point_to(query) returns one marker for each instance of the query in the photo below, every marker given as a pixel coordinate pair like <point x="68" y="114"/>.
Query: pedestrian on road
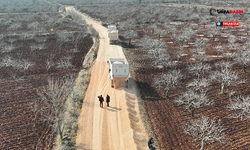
<point x="107" y="100"/>
<point x="150" y="143"/>
<point x="101" y="100"/>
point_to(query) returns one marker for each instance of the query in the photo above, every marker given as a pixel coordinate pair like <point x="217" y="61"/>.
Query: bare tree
<point x="25" y="65"/>
<point x="213" y="31"/>
<point x="160" y="32"/>
<point x="198" y="85"/>
<point x="178" y="53"/>
<point x="49" y="64"/>
<point x="193" y="100"/>
<point x="200" y="43"/>
<point x="15" y="26"/>
<point x="225" y="76"/>
<point x="240" y="106"/>
<point x="243" y="58"/>
<point x="52" y="100"/>
<point x="170" y="29"/>
<point x="152" y="27"/>
<point x="168" y="81"/>
<point x="63" y="38"/>
<point x="203" y="129"/>
<point x="76" y="40"/>
<point x="218" y="48"/>
<point x="199" y="69"/>
<point x="130" y="35"/>
<point x="203" y="19"/>
<point x="186" y="35"/>
<point x="198" y="54"/>
<point x="156" y="50"/>
<point x="65" y="64"/>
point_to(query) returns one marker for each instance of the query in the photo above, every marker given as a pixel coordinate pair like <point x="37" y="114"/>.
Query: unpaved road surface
<point x="119" y="126"/>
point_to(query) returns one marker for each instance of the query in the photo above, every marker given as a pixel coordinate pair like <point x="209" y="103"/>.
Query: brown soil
<point x="19" y="130"/>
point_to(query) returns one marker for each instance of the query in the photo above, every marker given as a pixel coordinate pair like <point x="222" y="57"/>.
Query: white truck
<point x="118" y="72"/>
<point x="112" y="34"/>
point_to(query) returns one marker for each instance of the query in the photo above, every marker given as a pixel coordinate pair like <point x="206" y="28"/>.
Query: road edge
<point x="75" y="100"/>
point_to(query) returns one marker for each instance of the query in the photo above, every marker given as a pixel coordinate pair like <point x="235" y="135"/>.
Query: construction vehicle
<point x="118" y="72"/>
<point x="113" y="34"/>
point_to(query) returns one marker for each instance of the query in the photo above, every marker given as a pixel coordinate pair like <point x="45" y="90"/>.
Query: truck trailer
<point x="118" y="72"/>
<point x="113" y="34"/>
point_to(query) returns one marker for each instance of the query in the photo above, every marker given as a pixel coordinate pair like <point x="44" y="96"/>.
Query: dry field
<point x="35" y="47"/>
<point x="167" y="119"/>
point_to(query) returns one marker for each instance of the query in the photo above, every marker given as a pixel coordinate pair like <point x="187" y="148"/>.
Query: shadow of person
<point x="115" y="108"/>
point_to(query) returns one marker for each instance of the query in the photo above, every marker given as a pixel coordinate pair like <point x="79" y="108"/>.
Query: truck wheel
<point x="126" y="83"/>
<point x="111" y="83"/>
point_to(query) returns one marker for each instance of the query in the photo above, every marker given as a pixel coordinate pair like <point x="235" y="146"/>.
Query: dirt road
<point x="117" y="127"/>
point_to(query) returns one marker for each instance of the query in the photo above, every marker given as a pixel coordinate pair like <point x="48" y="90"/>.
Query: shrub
<point x="68" y="16"/>
<point x="195" y="8"/>
<point x="2" y="20"/>
<point x="9" y="22"/>
<point x="57" y="23"/>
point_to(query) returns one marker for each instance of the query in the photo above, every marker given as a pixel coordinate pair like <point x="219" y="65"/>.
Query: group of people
<point x="102" y="100"/>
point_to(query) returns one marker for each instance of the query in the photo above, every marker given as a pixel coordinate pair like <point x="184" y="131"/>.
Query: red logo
<point x="236" y="11"/>
<point x="230" y="23"/>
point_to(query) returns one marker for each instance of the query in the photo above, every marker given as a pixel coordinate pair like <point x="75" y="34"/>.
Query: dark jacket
<point x="150" y="142"/>
<point x="100" y="99"/>
<point x="107" y="98"/>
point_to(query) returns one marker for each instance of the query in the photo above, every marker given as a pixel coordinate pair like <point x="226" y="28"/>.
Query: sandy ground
<point x="119" y="126"/>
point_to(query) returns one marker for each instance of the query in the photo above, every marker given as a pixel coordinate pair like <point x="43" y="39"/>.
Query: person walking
<point x="101" y="100"/>
<point x="107" y="100"/>
<point x="150" y="143"/>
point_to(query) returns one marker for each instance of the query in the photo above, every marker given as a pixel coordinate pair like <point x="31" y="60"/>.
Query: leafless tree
<point x="199" y="54"/>
<point x="203" y="19"/>
<point x="170" y="29"/>
<point x="200" y="43"/>
<point x="186" y="35"/>
<point x="199" y="69"/>
<point x="178" y="53"/>
<point x="203" y="129"/>
<point x="156" y="50"/>
<point x="193" y="100"/>
<point x="8" y="61"/>
<point x="213" y="31"/>
<point x="168" y="81"/>
<point x="243" y="58"/>
<point x="160" y="32"/>
<point x="65" y="64"/>
<point x="15" y="26"/>
<point x="77" y="39"/>
<point x="7" y="49"/>
<point x="218" y="48"/>
<point x="33" y="26"/>
<point x="198" y="85"/>
<point x="25" y="65"/>
<point x="240" y="105"/>
<point x="152" y="27"/>
<point x="130" y="35"/>
<point x="49" y="64"/>
<point x="25" y="36"/>
<point x="63" y="37"/>
<point x="224" y="75"/>
<point x="52" y="100"/>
